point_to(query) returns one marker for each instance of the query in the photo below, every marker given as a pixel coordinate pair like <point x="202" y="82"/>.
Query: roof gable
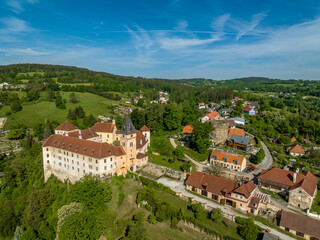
<point x="66" y="126"/>
<point x="103" y="127"/>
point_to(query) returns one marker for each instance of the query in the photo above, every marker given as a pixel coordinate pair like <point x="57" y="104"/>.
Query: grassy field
<point x="37" y="113"/>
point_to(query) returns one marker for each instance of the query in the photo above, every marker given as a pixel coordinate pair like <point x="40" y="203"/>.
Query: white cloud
<point x="178" y="43"/>
<point x="22" y="52"/>
<point x="247" y="28"/>
<point x="14" y="25"/>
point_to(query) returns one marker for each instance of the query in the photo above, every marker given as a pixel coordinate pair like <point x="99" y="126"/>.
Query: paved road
<point x="200" y="166"/>
<point x="267" y="161"/>
<point x="179" y="187"/>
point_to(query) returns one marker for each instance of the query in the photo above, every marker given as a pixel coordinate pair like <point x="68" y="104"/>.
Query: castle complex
<point x="71" y="153"/>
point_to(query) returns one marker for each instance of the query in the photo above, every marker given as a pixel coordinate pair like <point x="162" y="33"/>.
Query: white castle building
<point x="71" y="153"/>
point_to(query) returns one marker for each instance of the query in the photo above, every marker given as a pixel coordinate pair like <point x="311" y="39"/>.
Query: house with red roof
<point x="229" y="161"/>
<point x="225" y="191"/>
<point x="236" y="131"/>
<point x="299" y="188"/>
<point x="296" y="150"/>
<point x="188" y="129"/>
<point x="210" y="116"/>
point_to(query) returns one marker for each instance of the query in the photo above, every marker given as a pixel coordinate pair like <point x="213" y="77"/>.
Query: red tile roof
<point x="217" y="185"/>
<point x="141" y="155"/>
<point x="140" y="140"/>
<point x="284" y="178"/>
<point x="232" y="123"/>
<point x="300" y="223"/>
<point x="188" y="129"/>
<point x="66" y="126"/>
<point x="296" y="148"/>
<point x="145" y="129"/>
<point x="236" y="131"/>
<point x="246" y="109"/>
<point x="245" y="189"/>
<point x="230" y="157"/>
<point x="212" y="115"/>
<point x="85" y="134"/>
<point x="103" y="127"/>
<point x="82" y="146"/>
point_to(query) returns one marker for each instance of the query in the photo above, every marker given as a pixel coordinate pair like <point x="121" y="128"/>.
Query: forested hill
<point x="66" y="78"/>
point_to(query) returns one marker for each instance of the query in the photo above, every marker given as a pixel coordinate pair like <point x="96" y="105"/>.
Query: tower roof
<point x="127" y="127"/>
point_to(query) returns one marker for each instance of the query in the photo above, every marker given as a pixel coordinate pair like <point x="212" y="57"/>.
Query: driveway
<point x="178" y="186"/>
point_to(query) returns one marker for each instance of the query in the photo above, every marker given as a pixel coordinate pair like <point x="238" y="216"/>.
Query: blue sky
<point x="166" y="38"/>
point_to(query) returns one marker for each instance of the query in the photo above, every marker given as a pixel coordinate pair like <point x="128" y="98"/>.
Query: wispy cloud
<point x="14" y="25"/>
<point x="22" y="52"/>
<point x="248" y="28"/>
<point x="17" y="6"/>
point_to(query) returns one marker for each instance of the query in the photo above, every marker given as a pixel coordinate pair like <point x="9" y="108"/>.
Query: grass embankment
<point x="160" y="230"/>
<point x="225" y="228"/>
<point x="316" y="203"/>
<point x="32" y="114"/>
<point x="197" y="156"/>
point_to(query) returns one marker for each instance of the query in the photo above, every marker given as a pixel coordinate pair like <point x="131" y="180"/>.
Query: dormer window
<point x="235" y="161"/>
<point x="225" y="159"/>
<point x="215" y="157"/>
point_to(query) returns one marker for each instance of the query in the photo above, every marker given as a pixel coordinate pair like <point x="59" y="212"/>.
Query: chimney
<point x="67" y="133"/>
<point x="80" y="136"/>
<point x="114" y="121"/>
<point x="295" y="175"/>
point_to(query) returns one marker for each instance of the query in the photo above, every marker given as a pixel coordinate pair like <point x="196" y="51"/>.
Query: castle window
<point x="131" y="144"/>
<point x="123" y="144"/>
<point x="105" y="168"/>
<point x="60" y="164"/>
<point x="78" y="170"/>
<point x="96" y="169"/>
<point x="47" y="161"/>
<point x="108" y="135"/>
<point x="84" y="171"/>
<point x="105" y="160"/>
<point x="72" y="161"/>
<point x="47" y="149"/>
<point x="47" y="155"/>
<point x="77" y="156"/>
<point x="96" y="161"/>
<point x="111" y="159"/>
<point x="111" y="166"/>
<point x="72" y="155"/>
<point x="59" y="158"/>
<point x="84" y="165"/>
<point x="72" y="168"/>
<point x="59" y="151"/>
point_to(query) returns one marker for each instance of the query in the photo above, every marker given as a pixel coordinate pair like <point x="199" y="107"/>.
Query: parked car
<point x="253" y="167"/>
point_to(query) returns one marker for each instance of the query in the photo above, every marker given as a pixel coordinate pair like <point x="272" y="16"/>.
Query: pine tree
<point x="80" y="112"/>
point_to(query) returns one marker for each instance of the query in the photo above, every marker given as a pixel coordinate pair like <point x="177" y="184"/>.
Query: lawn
<point x="162" y="160"/>
<point x="37" y="113"/>
<point x="197" y="156"/>
<point x="161" y="145"/>
<point x="316" y="203"/>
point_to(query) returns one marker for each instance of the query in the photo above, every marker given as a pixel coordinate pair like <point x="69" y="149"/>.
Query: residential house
<point x="71" y="153"/>
<point x="250" y="111"/>
<point x="299" y="188"/>
<point x="270" y="236"/>
<point x="235" y="100"/>
<point x="236" y="131"/>
<point x="238" y="121"/>
<point x="210" y="116"/>
<point x="229" y="161"/>
<point x="239" y="142"/>
<point x="201" y="105"/>
<point x="253" y="104"/>
<point x="296" y="150"/>
<point x="222" y="190"/>
<point x="213" y="105"/>
<point x="3" y="121"/>
<point x="300" y="225"/>
<point x="226" y="111"/>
